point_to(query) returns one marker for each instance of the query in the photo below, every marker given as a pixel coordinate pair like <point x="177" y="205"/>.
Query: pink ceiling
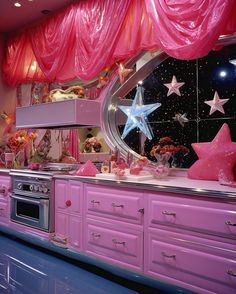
<point x="13" y="18"/>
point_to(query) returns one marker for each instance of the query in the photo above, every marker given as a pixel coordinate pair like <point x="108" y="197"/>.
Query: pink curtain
<point x="189" y="29"/>
<point x="89" y="35"/>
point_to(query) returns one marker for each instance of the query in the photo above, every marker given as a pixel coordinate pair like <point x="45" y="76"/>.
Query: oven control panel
<point x="32" y="186"/>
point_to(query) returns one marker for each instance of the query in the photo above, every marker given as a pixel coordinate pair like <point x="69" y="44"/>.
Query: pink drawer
<point x="117" y="204"/>
<point x="214" y="217"/>
<point x="189" y="264"/>
<point x="120" y="246"/>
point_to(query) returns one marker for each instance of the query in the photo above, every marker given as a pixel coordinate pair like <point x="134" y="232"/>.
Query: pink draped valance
<point x="89" y="35"/>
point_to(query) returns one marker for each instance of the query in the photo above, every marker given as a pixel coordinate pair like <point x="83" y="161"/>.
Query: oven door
<point x="29" y="211"/>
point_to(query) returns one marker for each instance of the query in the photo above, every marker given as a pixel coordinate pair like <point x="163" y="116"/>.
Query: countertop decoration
<point x="169" y="152"/>
<point x="87" y="169"/>
<point x="217" y="159"/>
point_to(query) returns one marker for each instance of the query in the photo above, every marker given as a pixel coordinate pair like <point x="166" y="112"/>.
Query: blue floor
<point x="26" y="270"/>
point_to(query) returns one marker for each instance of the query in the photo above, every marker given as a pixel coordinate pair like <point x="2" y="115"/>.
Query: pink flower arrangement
<point x="167" y="146"/>
<point x="92" y="144"/>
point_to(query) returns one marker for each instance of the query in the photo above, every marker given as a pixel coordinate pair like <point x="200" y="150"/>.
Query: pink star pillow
<point x="215" y="158"/>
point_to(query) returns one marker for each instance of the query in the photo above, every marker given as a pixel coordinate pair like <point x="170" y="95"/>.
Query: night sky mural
<point x="186" y="118"/>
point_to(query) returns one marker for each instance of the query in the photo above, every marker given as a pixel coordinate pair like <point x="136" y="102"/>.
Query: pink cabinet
<point x="117" y="204"/>
<point x="68" y="217"/>
<point x="206" y="215"/>
<point x="114" y="225"/>
<point x="191" y="242"/>
<point x="5" y="183"/>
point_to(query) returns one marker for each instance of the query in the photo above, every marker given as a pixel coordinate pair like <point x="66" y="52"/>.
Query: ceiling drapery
<point x="80" y="41"/>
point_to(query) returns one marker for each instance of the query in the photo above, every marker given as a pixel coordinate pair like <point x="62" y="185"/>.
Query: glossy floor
<point x="26" y="270"/>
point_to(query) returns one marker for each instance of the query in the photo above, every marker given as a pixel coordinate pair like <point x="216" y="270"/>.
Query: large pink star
<point x="174" y="86"/>
<point x="216" y="103"/>
<point x="215" y="158"/>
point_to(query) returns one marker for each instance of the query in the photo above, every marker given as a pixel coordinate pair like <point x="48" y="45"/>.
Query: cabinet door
<point x="75" y="197"/>
<point x="4" y="187"/>
<point x="61" y="225"/>
<point x="61" y="194"/>
<point x="75" y="231"/>
<point x="192" y="260"/>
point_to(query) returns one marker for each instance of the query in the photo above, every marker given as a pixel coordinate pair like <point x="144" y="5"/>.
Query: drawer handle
<point x="229" y="223"/>
<point x="118" y="242"/>
<point x="168" y="213"/>
<point x="231" y="273"/>
<point x="96" y="235"/>
<point x="168" y="255"/>
<point x="95" y="202"/>
<point x="117" y="205"/>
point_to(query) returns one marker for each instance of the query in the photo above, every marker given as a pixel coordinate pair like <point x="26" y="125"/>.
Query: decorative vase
<point x="162" y="167"/>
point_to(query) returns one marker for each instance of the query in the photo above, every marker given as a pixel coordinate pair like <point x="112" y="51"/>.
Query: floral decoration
<point x="20" y="139"/>
<point x="166" y="145"/>
<point x="92" y="145"/>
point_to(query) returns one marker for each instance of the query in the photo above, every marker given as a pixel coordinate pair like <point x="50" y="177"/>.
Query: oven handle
<point x="25" y="199"/>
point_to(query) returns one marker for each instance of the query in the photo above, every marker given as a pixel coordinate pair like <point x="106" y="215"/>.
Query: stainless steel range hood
<point x="61" y="114"/>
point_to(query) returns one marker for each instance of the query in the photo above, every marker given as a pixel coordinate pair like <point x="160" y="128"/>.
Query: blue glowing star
<point x="137" y="115"/>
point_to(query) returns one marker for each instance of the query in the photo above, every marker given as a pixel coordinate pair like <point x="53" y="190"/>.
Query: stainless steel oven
<point x="32" y="200"/>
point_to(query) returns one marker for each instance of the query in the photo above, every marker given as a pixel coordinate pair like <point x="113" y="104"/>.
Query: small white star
<point x="181" y="118"/>
<point x="174" y="86"/>
<point x="216" y="103"/>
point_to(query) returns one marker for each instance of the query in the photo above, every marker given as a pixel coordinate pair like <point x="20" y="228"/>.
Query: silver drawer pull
<point x="118" y="242"/>
<point x="231" y="273"/>
<point x="229" y="223"/>
<point x="168" y="213"/>
<point x="168" y="255"/>
<point x="96" y="235"/>
<point x="117" y="205"/>
<point x="95" y="202"/>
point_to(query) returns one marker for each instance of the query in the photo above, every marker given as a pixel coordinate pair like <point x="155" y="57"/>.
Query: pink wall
<point x="7" y="94"/>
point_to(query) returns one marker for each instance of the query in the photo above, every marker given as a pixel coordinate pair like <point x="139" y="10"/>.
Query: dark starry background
<point x="202" y="78"/>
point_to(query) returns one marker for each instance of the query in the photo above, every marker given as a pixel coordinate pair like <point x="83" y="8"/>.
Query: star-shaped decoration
<point x="233" y="61"/>
<point x="216" y="158"/>
<point x="123" y="72"/>
<point x="216" y="103"/>
<point x="137" y="115"/>
<point x="174" y="86"/>
<point x="181" y="118"/>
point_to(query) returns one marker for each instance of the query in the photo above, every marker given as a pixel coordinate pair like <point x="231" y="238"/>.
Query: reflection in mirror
<point x="187" y="91"/>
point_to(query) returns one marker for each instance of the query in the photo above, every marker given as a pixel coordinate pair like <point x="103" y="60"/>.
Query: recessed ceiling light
<point x="17" y="4"/>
